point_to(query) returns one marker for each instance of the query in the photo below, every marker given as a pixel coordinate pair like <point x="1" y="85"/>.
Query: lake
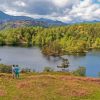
<point x="33" y="59"/>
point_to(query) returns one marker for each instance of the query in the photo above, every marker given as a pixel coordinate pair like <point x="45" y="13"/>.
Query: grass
<point x="49" y="86"/>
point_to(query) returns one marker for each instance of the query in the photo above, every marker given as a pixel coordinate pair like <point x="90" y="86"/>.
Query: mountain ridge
<point x="9" y="21"/>
<point x="5" y="18"/>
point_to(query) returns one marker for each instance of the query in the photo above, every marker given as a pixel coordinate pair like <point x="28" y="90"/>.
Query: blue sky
<point x="96" y="1"/>
<point x="63" y="10"/>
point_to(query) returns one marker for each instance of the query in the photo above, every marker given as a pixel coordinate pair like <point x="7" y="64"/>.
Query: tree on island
<point x="64" y="65"/>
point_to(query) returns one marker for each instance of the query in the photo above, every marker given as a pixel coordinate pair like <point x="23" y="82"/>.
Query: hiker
<point x="17" y="71"/>
<point x="13" y="71"/>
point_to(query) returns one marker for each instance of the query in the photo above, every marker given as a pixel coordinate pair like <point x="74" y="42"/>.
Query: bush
<point x="81" y="71"/>
<point x="48" y="69"/>
<point x="5" y="69"/>
<point x="26" y="70"/>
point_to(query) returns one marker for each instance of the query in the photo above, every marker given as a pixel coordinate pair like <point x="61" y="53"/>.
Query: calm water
<point x="33" y="58"/>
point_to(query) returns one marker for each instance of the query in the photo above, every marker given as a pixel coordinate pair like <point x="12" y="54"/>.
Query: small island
<point x="64" y="64"/>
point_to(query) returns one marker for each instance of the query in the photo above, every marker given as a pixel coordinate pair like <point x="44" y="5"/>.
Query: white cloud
<point x="86" y="10"/>
<point x="20" y="3"/>
<point x="14" y="13"/>
<point x="62" y="3"/>
<point x="63" y="10"/>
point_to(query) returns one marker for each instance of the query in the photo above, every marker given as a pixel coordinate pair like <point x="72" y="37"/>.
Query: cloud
<point x="65" y="3"/>
<point x="63" y="10"/>
<point x="86" y="11"/>
<point x="20" y="3"/>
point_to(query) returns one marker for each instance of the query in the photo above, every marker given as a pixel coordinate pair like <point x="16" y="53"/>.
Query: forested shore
<point x="56" y="40"/>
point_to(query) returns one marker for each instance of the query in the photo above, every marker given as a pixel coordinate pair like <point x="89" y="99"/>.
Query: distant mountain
<point x="17" y="21"/>
<point x="6" y="17"/>
<point x="51" y="22"/>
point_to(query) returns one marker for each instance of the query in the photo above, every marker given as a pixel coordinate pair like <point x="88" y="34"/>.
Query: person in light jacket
<point x="13" y="71"/>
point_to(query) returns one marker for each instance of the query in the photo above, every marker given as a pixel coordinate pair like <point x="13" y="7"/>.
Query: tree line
<point x="56" y="40"/>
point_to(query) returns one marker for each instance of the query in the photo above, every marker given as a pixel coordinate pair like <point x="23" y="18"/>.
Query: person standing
<point x="17" y="71"/>
<point x="13" y="71"/>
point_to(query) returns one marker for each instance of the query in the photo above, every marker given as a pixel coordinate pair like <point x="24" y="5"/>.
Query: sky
<point x="62" y="10"/>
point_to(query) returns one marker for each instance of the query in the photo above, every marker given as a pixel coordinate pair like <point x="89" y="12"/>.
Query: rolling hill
<point x="8" y="21"/>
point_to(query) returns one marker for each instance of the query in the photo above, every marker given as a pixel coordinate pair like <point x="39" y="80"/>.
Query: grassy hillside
<point x="49" y="86"/>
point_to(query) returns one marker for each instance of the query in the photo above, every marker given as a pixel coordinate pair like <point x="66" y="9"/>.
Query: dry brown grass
<point x="2" y="93"/>
<point x="48" y="87"/>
